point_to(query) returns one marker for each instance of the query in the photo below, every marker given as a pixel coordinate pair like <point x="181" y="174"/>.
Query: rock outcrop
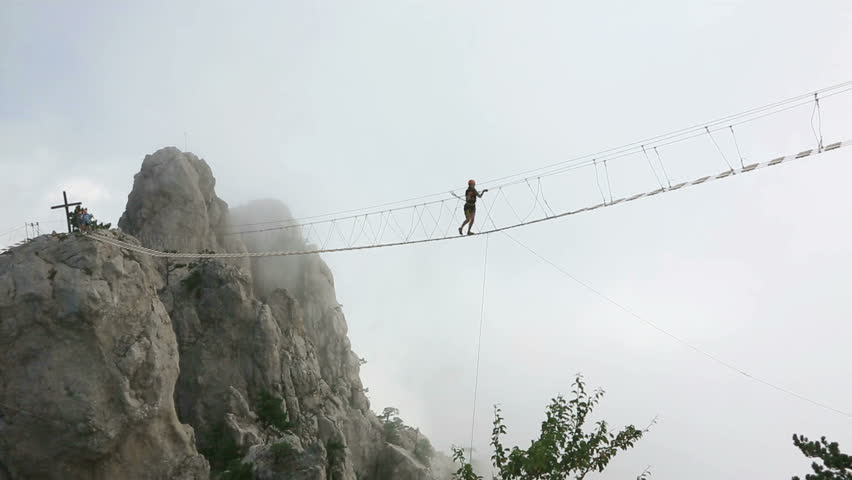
<point x="173" y="205"/>
<point x="397" y="462"/>
<point x="120" y="365"/>
<point x="88" y="365"/>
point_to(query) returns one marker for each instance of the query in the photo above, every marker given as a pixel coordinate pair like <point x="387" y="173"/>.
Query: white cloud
<point x="86" y="189"/>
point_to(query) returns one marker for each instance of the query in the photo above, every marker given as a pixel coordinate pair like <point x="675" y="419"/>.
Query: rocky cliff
<point x="114" y="364"/>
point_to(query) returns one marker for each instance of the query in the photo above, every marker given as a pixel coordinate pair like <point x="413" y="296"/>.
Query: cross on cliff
<point x="66" y="205"/>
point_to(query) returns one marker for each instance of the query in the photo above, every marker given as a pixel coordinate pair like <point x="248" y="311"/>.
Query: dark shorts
<point x="469" y="209"/>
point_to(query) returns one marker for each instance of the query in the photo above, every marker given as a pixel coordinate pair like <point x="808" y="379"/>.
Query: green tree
<point x="220" y="448"/>
<point x="393" y="425"/>
<point x="563" y="450"/>
<point x="74" y="219"/>
<point x="465" y="471"/>
<point x="282" y="452"/>
<point x="271" y="413"/>
<point x="400" y="434"/>
<point x="387" y="413"/>
<point x="835" y="465"/>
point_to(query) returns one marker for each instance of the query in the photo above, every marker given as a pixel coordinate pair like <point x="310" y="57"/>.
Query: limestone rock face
<point x="397" y="462"/>
<point x="272" y="328"/>
<point x="173" y="205"/>
<point x="120" y="365"/>
<point x="88" y="364"/>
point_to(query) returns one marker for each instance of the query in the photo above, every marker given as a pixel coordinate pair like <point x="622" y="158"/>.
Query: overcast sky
<point x="329" y="105"/>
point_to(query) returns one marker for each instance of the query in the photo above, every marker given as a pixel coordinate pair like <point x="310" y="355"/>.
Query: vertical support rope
<point x="489" y="209"/>
<point x="371" y="235"/>
<point x="499" y="192"/>
<point x="450" y="221"/>
<point x="546" y="203"/>
<point x="598" y="180"/>
<point x="342" y="235"/>
<point x="737" y="144"/>
<point x="479" y="347"/>
<point x="719" y="149"/>
<point x="663" y="167"/>
<point x="399" y="228"/>
<point x="420" y="220"/>
<point x="331" y="230"/>
<point x="608" y="184"/>
<point x="817" y="112"/>
<point x="379" y="228"/>
<point x="652" y="166"/>
<point x="819" y="118"/>
<point x="352" y="233"/>
<point x="413" y="226"/>
<point x="438" y="220"/>
<point x="535" y="200"/>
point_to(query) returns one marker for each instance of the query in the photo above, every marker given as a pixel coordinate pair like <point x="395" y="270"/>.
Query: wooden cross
<point x="66" y="205"/>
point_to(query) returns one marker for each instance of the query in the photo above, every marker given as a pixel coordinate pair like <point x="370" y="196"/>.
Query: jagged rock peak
<point x="173" y="204"/>
<point x="114" y="364"/>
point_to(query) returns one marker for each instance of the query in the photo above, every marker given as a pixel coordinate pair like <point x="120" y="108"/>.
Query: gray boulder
<point x="114" y="364"/>
<point x="88" y="364"/>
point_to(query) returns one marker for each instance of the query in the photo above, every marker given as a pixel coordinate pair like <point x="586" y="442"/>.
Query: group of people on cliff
<point x="83" y="221"/>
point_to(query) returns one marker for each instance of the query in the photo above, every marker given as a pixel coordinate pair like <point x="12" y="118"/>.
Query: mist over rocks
<point x="164" y="368"/>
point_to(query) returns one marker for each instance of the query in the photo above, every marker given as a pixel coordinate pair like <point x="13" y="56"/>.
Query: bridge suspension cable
<point x="404" y="236"/>
<point x="621" y="151"/>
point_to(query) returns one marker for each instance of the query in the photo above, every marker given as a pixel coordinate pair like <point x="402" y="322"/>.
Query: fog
<point x="274" y="272"/>
<point x="328" y="106"/>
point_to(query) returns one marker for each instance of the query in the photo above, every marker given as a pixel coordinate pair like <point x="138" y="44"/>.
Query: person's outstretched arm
<point x="480" y="194"/>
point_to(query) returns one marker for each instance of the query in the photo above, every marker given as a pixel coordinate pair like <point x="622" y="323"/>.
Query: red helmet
<point x="471" y="182"/>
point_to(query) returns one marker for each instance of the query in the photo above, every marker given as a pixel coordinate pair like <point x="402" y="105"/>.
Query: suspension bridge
<point x="521" y="200"/>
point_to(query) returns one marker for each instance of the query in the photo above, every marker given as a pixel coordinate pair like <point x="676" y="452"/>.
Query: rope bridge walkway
<point x="516" y="200"/>
<point x="373" y="234"/>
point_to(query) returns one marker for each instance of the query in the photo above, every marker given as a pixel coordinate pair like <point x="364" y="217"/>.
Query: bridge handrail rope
<point x="737" y="144"/>
<point x="692" y="132"/>
<point x="747" y="169"/>
<point x="556" y="168"/>
<point x="635" y="150"/>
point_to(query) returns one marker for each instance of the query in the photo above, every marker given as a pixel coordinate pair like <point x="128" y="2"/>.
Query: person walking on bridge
<point x="470" y="197"/>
